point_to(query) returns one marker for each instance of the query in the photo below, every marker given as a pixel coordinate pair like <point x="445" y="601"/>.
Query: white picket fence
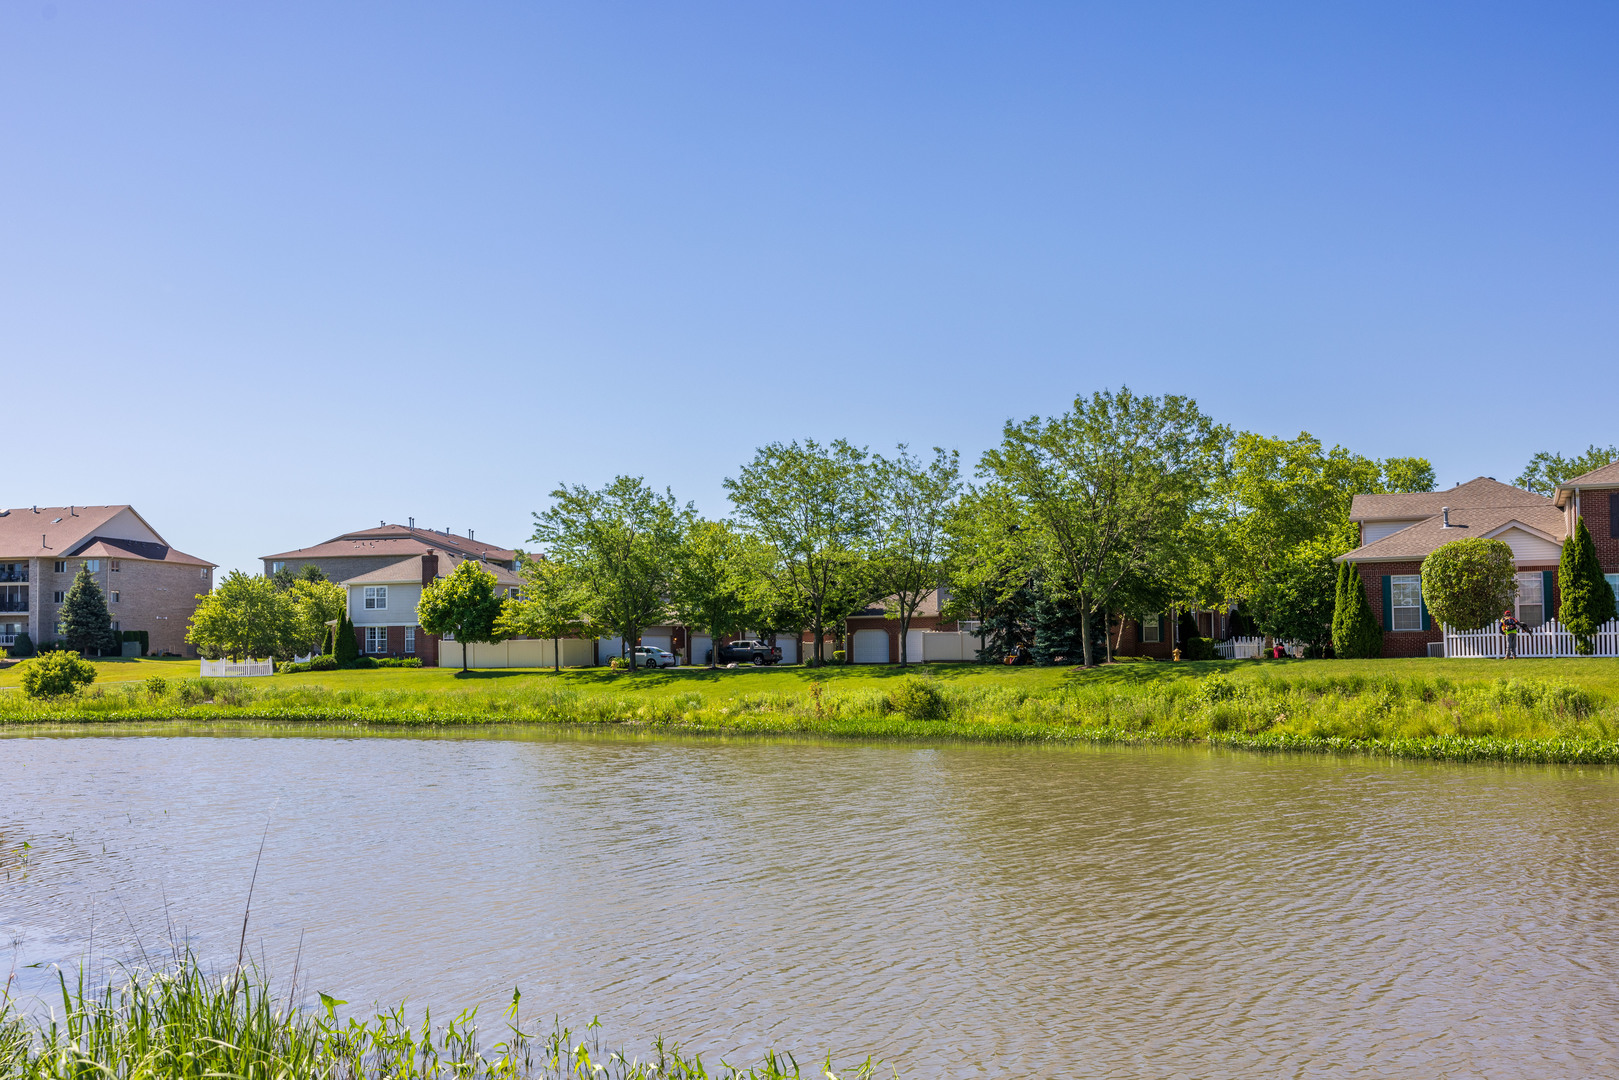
<point x="1249" y="648"/>
<point x="1548" y="639"/>
<point x="233" y="669"/>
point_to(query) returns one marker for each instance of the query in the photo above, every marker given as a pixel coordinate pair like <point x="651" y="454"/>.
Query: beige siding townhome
<point x="149" y="585"/>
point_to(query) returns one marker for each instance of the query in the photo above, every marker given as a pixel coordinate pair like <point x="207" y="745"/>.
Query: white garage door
<point x="789" y="650"/>
<point x="871" y="646"/>
<point x="700" y="644"/>
<point x="656" y="641"/>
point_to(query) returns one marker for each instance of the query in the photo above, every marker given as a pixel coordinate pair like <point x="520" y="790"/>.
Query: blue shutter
<point x="1388" y="604"/>
<point x="1547" y="578"/>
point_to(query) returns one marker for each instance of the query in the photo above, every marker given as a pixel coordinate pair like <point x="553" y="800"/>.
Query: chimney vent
<point x="412" y="522"/>
<point x="469" y="534"/>
<point x="1447" y="516"/>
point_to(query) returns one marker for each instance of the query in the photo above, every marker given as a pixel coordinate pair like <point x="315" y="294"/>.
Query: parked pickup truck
<point x="743" y="652"/>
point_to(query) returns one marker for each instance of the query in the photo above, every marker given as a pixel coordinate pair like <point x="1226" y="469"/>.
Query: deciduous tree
<point x="918" y="500"/>
<point x="708" y="586"/>
<point x="245" y="617"/>
<point x="1466" y="584"/>
<point x="550" y="605"/>
<point x="1546" y="470"/>
<point x="464" y="604"/>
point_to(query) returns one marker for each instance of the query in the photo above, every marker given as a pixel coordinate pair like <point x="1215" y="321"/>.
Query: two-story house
<point x="149" y="585"/>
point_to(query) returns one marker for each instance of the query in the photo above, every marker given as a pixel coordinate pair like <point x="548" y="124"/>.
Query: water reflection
<point x="971" y="910"/>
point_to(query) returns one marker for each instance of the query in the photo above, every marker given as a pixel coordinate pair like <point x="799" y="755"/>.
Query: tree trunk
<point x="1107" y="638"/>
<point x="556" y="654"/>
<point x="904" y="632"/>
<point x="1085" y="628"/>
<point x="463" y="656"/>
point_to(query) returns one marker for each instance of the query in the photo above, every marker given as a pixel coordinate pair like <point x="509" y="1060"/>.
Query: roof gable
<point x="52" y="531"/>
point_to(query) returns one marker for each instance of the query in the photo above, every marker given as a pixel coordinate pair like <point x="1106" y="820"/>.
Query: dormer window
<point x="376" y="597"/>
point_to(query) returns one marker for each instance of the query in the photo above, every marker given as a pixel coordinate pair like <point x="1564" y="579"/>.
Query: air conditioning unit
<point x="1436" y="649"/>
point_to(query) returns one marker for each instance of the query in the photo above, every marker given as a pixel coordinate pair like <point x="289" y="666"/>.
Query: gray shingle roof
<point x="1479" y="492"/>
<point x="1419" y="540"/>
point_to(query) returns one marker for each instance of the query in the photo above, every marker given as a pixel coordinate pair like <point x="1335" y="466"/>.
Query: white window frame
<point x="376" y="640"/>
<point x="112" y="566"/>
<point x="117" y="597"/>
<point x="410" y="641"/>
<point x="1152" y="631"/>
<point x="277" y="567"/>
<point x="1403" y="584"/>
<point x="376" y="598"/>
<point x="1529" y="580"/>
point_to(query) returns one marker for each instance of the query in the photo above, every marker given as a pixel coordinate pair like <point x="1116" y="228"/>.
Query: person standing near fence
<point x="1509" y="629"/>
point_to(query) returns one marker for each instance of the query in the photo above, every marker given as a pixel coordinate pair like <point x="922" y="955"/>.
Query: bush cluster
<point x="917" y="699"/>
<point x="56" y="674"/>
<point x="331" y="663"/>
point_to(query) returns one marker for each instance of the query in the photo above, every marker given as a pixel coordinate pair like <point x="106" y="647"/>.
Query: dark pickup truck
<point x="743" y="652"/>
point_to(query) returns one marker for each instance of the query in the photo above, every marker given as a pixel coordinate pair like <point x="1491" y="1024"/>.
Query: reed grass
<point x="185" y="1024"/>
<point x="1408" y="711"/>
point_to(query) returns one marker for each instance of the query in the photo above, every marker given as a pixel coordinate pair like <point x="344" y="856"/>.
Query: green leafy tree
<point x="1297" y="601"/>
<point x="1587" y="598"/>
<point x="708" y="584"/>
<point x="244" y="618"/>
<point x="56" y="674"/>
<point x="620" y="543"/>
<point x="1407" y="474"/>
<point x="550" y="606"/>
<point x="917" y="501"/>
<point x="816" y="507"/>
<point x="464" y="604"/>
<point x="1356" y="634"/>
<point x="1111" y="487"/>
<point x="317" y="605"/>
<point x="1466" y="584"/>
<point x="85" y="624"/>
<point x="1546" y="470"/>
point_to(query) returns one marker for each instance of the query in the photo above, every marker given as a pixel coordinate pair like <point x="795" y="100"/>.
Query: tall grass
<point x="1418" y="715"/>
<point x="184" y="1024"/>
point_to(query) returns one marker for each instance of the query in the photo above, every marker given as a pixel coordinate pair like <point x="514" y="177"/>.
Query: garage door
<point x="871" y="647"/>
<point x="656" y="641"/>
<point x="913" y="647"/>
<point x="700" y="644"/>
<point x="789" y="650"/>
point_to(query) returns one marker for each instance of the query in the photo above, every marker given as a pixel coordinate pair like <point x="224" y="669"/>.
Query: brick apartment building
<point x="149" y="585"/>
<point x="383" y="571"/>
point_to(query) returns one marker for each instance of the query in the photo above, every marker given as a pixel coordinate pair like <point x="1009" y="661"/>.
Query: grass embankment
<point x="185" y="1024"/>
<point x="1527" y="710"/>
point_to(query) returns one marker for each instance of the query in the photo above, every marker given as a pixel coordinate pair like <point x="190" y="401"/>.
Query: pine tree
<point x="346" y="649"/>
<point x="86" y="625"/>
<point x="1356" y="635"/>
<point x="1587" y="598"/>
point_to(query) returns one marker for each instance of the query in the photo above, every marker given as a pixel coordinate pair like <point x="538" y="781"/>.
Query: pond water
<point x="956" y="910"/>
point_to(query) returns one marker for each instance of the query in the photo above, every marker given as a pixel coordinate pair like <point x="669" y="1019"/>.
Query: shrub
<point x="617" y="663"/>
<point x="397" y="661"/>
<point x="1355" y="634"/>
<point x="56" y="675"/>
<point x="157" y="686"/>
<point x="917" y="699"/>
<point x="1198" y="648"/>
<point x="837" y="656"/>
<point x="1467" y="583"/>
<point x="1215" y="688"/>
<point x="345" y="648"/>
<point x="323" y="662"/>
<point x="192" y="693"/>
<point x="22" y="646"/>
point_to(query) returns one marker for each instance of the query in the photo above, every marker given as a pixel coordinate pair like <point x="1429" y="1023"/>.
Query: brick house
<point x="149" y="585"/>
<point x="1398" y="531"/>
<point x="383" y="571"/>
<point x="1595" y="497"/>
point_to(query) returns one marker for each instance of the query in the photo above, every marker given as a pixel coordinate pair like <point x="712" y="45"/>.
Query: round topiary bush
<point x="56" y="674"/>
<point x="917" y="699"/>
<point x="1466" y="584"/>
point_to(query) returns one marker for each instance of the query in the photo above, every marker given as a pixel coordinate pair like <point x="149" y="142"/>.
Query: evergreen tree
<point x="346" y="649"/>
<point x="1340" y="604"/>
<point x="86" y="625"/>
<point x="1356" y="635"/>
<point x="1587" y="598"/>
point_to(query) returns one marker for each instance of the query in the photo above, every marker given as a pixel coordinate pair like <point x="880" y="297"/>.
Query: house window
<point x="1151" y="631"/>
<point x="58" y="596"/>
<point x="277" y="567"/>
<point x="112" y="565"/>
<point x="93" y="565"/>
<point x="13" y="598"/>
<point x="376" y="639"/>
<point x="376" y="597"/>
<point x="60" y="566"/>
<point x="115" y="597"/>
<point x="205" y="573"/>
<point x="410" y="641"/>
<point x="1531" y="598"/>
<point x="1405" y="591"/>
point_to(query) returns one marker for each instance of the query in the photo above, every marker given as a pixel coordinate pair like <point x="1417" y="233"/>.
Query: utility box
<point x="132" y="648"/>
<point x="1436" y="650"/>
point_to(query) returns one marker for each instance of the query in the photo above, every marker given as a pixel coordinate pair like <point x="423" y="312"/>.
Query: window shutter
<point x="1160" y="629"/>
<point x="1613" y="514"/>
<point x="1547" y="579"/>
<point x="1388" y="604"/>
<point x="1427" y="623"/>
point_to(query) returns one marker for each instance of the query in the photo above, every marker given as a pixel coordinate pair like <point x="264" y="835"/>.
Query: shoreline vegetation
<point x="185" y="1022"/>
<point x="1521" y="711"/>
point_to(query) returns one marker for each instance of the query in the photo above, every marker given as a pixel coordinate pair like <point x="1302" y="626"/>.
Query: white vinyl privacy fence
<point x="1547" y="639"/>
<point x="945" y="646"/>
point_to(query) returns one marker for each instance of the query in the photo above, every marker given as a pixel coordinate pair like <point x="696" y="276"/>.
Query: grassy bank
<point x="185" y="1024"/>
<point x="1552" y="710"/>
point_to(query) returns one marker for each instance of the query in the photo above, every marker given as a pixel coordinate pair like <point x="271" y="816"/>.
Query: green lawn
<point x="118" y="671"/>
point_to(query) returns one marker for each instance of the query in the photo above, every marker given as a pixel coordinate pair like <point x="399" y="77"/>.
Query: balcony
<point x="13" y="598"/>
<point x="13" y="571"/>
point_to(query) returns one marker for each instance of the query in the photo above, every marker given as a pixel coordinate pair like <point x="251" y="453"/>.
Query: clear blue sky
<point x="275" y="271"/>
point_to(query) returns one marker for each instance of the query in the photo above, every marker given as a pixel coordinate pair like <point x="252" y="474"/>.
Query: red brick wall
<point x="1595" y="507"/>
<point x="1396" y="642"/>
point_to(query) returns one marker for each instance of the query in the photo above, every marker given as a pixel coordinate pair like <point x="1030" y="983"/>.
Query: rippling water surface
<point x="961" y="911"/>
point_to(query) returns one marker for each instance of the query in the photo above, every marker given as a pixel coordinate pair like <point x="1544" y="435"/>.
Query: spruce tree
<point x="1587" y="599"/>
<point x="86" y="625"/>
<point x="346" y="649"/>
<point x="1356" y="635"/>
